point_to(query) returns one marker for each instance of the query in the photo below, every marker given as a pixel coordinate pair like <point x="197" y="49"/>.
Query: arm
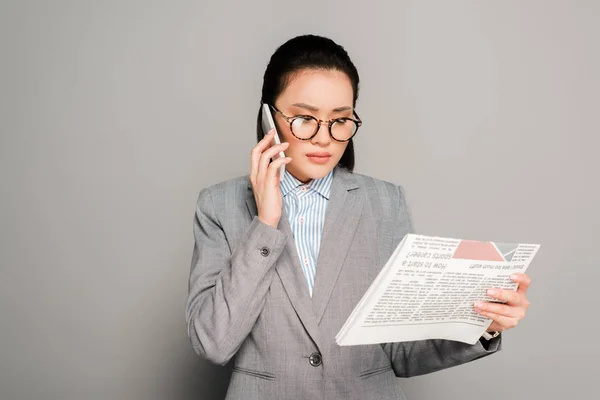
<point x="227" y="290"/>
<point x="426" y="356"/>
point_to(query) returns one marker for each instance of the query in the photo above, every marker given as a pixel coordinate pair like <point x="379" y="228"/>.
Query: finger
<point x="523" y="280"/>
<point x="510" y="296"/>
<point x="500" y="309"/>
<point x="503" y="321"/>
<point x="266" y="139"/>
<point x="274" y="168"/>
<point x="257" y="151"/>
<point x="265" y="158"/>
<point x="275" y="150"/>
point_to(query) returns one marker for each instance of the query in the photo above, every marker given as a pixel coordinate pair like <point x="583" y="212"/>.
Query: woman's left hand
<point x="506" y="316"/>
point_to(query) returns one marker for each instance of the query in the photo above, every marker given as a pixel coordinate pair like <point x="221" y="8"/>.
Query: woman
<point x="280" y="261"/>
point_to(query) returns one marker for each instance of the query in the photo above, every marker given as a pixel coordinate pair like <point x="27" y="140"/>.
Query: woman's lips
<point x="319" y="158"/>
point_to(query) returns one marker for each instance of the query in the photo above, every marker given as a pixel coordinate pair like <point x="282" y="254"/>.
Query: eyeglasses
<point x="305" y="127"/>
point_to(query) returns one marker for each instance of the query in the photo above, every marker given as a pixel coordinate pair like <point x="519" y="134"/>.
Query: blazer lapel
<point x="290" y="272"/>
<point x="341" y="221"/>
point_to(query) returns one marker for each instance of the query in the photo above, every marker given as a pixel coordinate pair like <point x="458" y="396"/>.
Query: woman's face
<point x="326" y="95"/>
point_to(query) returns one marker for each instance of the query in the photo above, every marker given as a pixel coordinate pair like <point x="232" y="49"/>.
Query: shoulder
<point x="388" y="202"/>
<point x="224" y="193"/>
<point x="379" y="187"/>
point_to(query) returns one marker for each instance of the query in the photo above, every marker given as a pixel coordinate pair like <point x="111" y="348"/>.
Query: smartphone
<point x="267" y="124"/>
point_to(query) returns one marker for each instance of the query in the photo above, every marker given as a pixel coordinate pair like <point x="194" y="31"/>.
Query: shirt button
<point x="315" y="359"/>
<point x="264" y="251"/>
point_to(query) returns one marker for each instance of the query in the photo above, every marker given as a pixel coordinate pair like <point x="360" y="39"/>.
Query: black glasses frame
<point x="329" y="124"/>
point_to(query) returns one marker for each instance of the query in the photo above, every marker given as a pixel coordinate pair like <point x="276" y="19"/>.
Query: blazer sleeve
<point x="227" y="289"/>
<point x="425" y="356"/>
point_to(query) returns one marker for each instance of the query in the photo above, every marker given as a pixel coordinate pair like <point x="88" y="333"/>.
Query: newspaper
<point x="428" y="287"/>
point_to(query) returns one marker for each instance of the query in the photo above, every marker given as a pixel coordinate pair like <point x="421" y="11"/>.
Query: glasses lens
<point x="343" y="129"/>
<point x="304" y="127"/>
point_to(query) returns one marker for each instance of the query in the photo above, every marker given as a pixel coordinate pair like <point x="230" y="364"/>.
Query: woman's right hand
<point x="264" y="177"/>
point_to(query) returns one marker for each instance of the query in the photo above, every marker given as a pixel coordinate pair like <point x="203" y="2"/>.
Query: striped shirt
<point x="305" y="205"/>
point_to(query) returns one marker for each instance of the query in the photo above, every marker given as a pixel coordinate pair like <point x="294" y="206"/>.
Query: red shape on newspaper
<point x="475" y="250"/>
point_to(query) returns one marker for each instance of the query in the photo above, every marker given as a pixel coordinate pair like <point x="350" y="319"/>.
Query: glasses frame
<point x="320" y="122"/>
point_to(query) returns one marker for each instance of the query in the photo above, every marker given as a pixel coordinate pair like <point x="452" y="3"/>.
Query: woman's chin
<point x="306" y="173"/>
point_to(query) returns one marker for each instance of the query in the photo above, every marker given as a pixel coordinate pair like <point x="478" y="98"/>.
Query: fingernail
<point x="513" y="277"/>
<point x="286" y="144"/>
<point x="492" y="292"/>
<point x="478" y="304"/>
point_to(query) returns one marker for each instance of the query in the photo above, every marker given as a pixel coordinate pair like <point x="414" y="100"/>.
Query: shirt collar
<point x="321" y="185"/>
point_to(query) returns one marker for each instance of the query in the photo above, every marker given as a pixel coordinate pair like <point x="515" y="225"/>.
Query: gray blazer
<point x="248" y="299"/>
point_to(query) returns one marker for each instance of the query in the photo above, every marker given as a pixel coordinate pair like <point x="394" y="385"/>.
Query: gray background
<point x="114" y="114"/>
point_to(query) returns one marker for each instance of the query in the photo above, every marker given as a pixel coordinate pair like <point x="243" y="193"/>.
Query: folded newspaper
<point x="428" y="287"/>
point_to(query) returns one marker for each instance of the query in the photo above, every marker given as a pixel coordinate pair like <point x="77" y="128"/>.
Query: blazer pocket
<point x="257" y="374"/>
<point x="373" y="372"/>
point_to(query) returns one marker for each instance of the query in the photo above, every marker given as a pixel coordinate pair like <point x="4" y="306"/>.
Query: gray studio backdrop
<point x="114" y="114"/>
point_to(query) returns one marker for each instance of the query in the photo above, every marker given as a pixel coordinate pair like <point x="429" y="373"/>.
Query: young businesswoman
<point x="280" y="261"/>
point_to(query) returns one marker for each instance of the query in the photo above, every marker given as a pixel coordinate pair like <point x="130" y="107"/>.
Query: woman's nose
<point x="322" y="135"/>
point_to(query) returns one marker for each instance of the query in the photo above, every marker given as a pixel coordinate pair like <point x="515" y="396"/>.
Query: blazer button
<point x="264" y="251"/>
<point x="315" y="359"/>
